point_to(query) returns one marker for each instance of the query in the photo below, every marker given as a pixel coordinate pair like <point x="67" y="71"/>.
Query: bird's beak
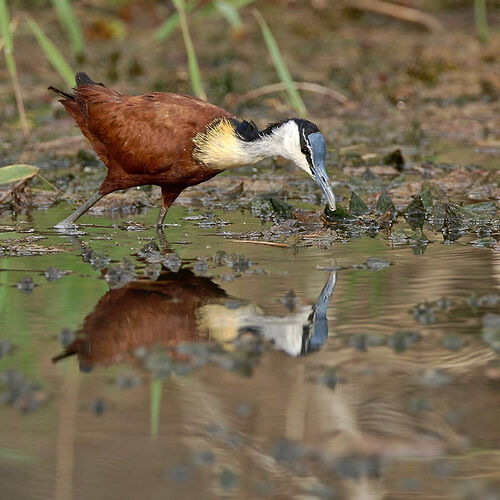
<point x="318" y="167"/>
<point x="321" y="178"/>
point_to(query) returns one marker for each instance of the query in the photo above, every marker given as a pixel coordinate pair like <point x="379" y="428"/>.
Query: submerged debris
<point x="151" y="254"/>
<point x="52" y="273"/>
<point x="361" y="341"/>
<point x="373" y="264"/>
<point x="329" y="378"/>
<point x="26" y="285"/>
<point x="152" y="271"/>
<point x="402" y="340"/>
<point x="95" y="259"/>
<point x="424" y="313"/>
<point x="356" y="466"/>
<point x="24" y="395"/>
<point x="118" y="276"/>
<point x="6" y="348"/>
<point x="201" y="265"/>
<point x="491" y="331"/>
<point x="127" y="381"/>
<point x="98" y="406"/>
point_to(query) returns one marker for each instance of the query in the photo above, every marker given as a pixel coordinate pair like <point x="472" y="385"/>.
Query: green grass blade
<point x="156" y="388"/>
<point x="165" y="30"/>
<point x="15" y="173"/>
<point x="481" y="18"/>
<point x="172" y="23"/>
<point x="194" y="69"/>
<point x="8" y="50"/>
<point x="53" y="54"/>
<point x="230" y="13"/>
<point x="70" y="23"/>
<point x="11" y="455"/>
<point x="4" y="28"/>
<point x="283" y="73"/>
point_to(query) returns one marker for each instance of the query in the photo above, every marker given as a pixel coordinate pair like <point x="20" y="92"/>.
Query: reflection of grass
<point x="156" y="388"/>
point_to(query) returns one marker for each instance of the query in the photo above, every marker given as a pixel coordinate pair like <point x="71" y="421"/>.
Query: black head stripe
<point x="245" y="130"/>
<point x="305" y="147"/>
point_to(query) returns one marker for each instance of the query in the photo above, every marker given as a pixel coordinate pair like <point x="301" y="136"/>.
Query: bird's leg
<point x="161" y="217"/>
<point x="70" y="220"/>
<point x="167" y="197"/>
<point x="164" y="246"/>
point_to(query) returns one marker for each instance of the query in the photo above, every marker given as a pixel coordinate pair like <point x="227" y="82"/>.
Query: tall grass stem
<point x="68" y="20"/>
<point x="53" y="54"/>
<point x="481" y="18"/>
<point x="280" y="66"/>
<point x="6" y="32"/>
<point x="194" y="69"/>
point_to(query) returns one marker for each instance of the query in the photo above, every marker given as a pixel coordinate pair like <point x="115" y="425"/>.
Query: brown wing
<point x="146" y="134"/>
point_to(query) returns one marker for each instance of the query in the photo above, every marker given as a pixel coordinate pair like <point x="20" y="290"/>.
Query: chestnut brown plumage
<point x="176" y="141"/>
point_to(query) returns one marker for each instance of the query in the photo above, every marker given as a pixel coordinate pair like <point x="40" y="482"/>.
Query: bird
<point x="176" y="141"/>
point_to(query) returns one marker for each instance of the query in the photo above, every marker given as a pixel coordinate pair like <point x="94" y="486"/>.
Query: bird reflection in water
<point x="182" y="307"/>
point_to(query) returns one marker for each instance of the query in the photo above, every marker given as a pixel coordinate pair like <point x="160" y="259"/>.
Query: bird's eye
<point x="304" y="150"/>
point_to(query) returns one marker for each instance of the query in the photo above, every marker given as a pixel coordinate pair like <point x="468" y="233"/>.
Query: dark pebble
<point x="98" y="406"/>
<point x="356" y="466"/>
<point x="401" y="340"/>
<point x="204" y="458"/>
<point x="228" y="479"/>
<point x="453" y="342"/>
<point x="287" y="451"/>
<point x="127" y="381"/>
<point x="180" y="473"/>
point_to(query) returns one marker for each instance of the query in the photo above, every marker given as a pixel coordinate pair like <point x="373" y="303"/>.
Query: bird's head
<point x="231" y="142"/>
<point x="301" y="141"/>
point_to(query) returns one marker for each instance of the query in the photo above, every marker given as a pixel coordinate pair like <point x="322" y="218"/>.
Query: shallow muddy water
<point x="264" y="372"/>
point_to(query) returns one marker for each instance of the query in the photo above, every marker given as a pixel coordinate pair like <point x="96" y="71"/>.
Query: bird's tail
<point x="69" y="351"/>
<point x="81" y="78"/>
<point x="62" y="94"/>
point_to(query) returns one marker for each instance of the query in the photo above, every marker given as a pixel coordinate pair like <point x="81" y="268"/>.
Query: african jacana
<point x="176" y="141"/>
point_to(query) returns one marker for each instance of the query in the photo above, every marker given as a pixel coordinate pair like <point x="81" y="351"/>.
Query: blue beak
<point x="318" y="146"/>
